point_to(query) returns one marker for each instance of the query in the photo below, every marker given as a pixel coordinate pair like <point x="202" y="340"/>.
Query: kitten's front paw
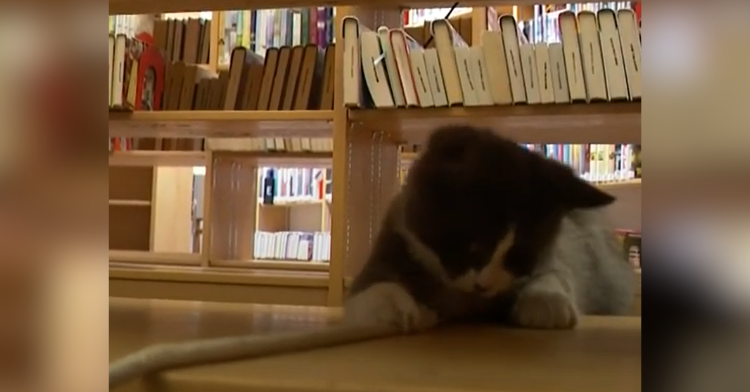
<point x="391" y="305"/>
<point x="544" y="304"/>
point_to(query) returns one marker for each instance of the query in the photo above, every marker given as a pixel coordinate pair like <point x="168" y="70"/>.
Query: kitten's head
<point x="487" y="206"/>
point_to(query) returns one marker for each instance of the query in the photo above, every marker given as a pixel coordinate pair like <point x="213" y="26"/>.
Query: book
<point x="391" y="67"/>
<point x="352" y="67"/>
<point x="572" y="56"/>
<point x="614" y="66"/>
<point x="447" y="40"/>
<point x="530" y="73"/>
<point x="544" y="74"/>
<point x="591" y="57"/>
<point x="498" y="76"/>
<point x="511" y="44"/>
<point x="631" y="47"/>
<point x="559" y="73"/>
<point x="435" y="77"/>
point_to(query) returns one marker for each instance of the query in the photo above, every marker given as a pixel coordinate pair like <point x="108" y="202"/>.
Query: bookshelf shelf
<point x="157" y="158"/>
<point x="606" y="123"/>
<point x="634" y="183"/>
<point x="130" y="203"/>
<point x="277" y="265"/>
<point x="138" y="257"/>
<point x="123" y="7"/>
<point x="228" y="276"/>
<point x="282" y="159"/>
<point x="222" y="124"/>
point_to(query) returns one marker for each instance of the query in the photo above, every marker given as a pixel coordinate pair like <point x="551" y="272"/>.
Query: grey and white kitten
<point x="485" y="230"/>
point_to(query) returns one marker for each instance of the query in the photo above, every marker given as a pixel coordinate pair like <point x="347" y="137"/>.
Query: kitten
<point x="486" y="230"/>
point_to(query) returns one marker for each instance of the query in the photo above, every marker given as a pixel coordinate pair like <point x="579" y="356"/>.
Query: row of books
<point x="544" y="26"/>
<point x="180" y="36"/>
<point x="259" y="30"/>
<point x="186" y="40"/>
<point x="288" y="78"/>
<point x="294" y="185"/>
<point x="292" y="246"/>
<point x="599" y="163"/>
<point x="598" y="59"/>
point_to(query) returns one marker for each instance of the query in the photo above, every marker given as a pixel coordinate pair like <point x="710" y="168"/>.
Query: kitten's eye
<point x="475" y="247"/>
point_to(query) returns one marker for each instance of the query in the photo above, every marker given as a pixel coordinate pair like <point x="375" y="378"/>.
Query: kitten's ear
<point x="560" y="184"/>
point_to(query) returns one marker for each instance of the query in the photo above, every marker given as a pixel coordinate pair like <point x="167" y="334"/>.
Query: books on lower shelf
<point x="598" y="163"/>
<point x="294" y="185"/>
<point x="292" y="246"/>
<point x="597" y="58"/>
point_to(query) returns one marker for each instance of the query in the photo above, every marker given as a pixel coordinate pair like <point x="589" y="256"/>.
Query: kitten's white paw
<point x="389" y="304"/>
<point x="543" y="303"/>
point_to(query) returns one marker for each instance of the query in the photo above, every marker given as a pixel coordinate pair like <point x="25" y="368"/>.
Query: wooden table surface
<point x="602" y="355"/>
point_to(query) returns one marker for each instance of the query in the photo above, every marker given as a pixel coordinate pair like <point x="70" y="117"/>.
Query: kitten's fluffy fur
<point x="484" y="229"/>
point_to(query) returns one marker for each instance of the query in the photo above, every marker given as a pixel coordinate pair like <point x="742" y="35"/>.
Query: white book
<point x="435" y="77"/>
<point x="297" y="32"/>
<point x="446" y="41"/>
<point x="544" y="73"/>
<point x="591" y="56"/>
<point x="373" y="70"/>
<point x="630" y="40"/>
<point x="572" y="55"/>
<point x="420" y="77"/>
<point x="390" y="67"/>
<point x="118" y="71"/>
<point x="559" y="75"/>
<point x="530" y="74"/>
<point x="497" y="67"/>
<point x="111" y="65"/>
<point x="479" y="76"/>
<point x="509" y="29"/>
<point x="463" y="62"/>
<point x="400" y="44"/>
<point x="352" y="62"/>
<point x="614" y="67"/>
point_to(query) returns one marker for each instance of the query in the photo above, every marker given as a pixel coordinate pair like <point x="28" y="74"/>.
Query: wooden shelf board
<point x="140" y="257"/>
<point x="282" y="265"/>
<point x="281" y="159"/>
<point x="216" y="275"/>
<point x="130" y="203"/>
<point x="157" y="158"/>
<point x="605" y="123"/>
<point x="222" y="124"/>
<point x="636" y="182"/>
<point x="127" y="7"/>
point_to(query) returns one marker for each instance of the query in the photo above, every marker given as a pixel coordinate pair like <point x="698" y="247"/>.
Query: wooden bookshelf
<point x="365" y="165"/>
<point x="606" y="123"/>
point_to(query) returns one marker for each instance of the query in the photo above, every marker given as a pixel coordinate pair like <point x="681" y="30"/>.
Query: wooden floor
<point x="604" y="354"/>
